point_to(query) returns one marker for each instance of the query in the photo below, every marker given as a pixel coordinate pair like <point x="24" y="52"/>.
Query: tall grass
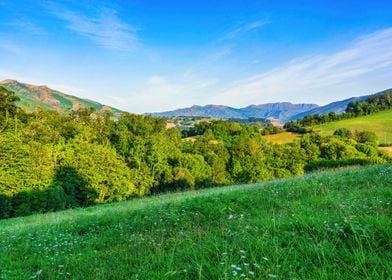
<point x="330" y="225"/>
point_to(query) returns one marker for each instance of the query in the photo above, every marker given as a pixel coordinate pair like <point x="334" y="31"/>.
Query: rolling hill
<point x="33" y="97"/>
<point x="280" y="111"/>
<point x="337" y="106"/>
<point x="330" y="225"/>
<point x="379" y="123"/>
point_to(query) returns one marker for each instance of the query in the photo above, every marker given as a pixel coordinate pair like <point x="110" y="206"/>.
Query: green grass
<point x="387" y="150"/>
<point x="329" y="225"/>
<point x="380" y="123"/>
<point x="282" y="138"/>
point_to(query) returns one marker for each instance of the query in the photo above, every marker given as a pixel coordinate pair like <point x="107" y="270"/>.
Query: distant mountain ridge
<point x="281" y="111"/>
<point x="33" y="97"/>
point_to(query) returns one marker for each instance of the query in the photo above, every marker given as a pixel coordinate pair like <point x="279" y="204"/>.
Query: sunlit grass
<point x="330" y="225"/>
<point x="282" y="138"/>
<point x="380" y="123"/>
<point x="387" y="150"/>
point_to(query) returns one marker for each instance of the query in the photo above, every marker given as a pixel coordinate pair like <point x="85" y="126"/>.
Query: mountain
<point x="279" y="111"/>
<point x="337" y="106"/>
<point x="33" y="97"/>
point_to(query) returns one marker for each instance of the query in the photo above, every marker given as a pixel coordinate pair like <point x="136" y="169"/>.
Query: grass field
<point x="380" y="123"/>
<point x="387" y="150"/>
<point x="282" y="138"/>
<point x="330" y="225"/>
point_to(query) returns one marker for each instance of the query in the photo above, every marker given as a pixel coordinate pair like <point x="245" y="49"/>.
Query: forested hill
<point x="282" y="111"/>
<point x="33" y="97"/>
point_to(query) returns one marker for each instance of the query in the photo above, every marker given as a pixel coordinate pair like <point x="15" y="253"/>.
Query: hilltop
<point x="320" y="226"/>
<point x="33" y="97"/>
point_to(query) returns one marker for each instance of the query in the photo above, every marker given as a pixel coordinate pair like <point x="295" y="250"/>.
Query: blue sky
<point x="144" y="56"/>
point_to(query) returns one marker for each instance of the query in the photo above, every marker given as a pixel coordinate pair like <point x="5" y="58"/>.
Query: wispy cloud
<point x="104" y="27"/>
<point x="12" y="47"/>
<point x="309" y="77"/>
<point x="243" y="29"/>
<point x="226" y="44"/>
<point x="27" y="26"/>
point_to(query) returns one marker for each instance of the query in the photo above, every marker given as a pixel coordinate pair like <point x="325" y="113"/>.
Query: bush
<point x="5" y="207"/>
<point x="343" y="133"/>
<point x="366" y="137"/>
<point x="327" y="164"/>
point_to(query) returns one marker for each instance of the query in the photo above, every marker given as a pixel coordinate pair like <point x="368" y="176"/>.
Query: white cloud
<point x="104" y="28"/>
<point x="309" y="78"/>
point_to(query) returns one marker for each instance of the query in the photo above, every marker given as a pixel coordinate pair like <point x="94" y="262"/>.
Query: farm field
<point x="328" y="225"/>
<point x="380" y="123"/>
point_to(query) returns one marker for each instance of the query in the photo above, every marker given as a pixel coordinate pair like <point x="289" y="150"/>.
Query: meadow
<point x="282" y="137"/>
<point x="387" y="150"/>
<point x="328" y="225"/>
<point x="379" y="123"/>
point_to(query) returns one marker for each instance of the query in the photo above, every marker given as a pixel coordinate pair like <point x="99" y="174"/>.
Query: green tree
<point x="8" y="107"/>
<point x="105" y="172"/>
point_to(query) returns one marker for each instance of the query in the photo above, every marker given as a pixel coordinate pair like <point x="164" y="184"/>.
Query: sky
<point x="147" y="56"/>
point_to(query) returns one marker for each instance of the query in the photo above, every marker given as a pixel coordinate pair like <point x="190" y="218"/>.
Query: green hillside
<point x="33" y="97"/>
<point x="380" y="123"/>
<point x="332" y="225"/>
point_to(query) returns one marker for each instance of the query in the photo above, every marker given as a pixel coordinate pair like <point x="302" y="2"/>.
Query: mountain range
<point x="283" y="111"/>
<point x="33" y="97"/>
<point x="280" y="111"/>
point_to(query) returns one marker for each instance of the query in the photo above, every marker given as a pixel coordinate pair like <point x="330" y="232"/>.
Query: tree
<point x="8" y="107"/>
<point x="366" y="137"/>
<point x="343" y="133"/>
<point x="249" y="160"/>
<point x="104" y="171"/>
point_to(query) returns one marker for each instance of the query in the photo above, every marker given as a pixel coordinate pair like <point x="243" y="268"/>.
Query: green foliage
<point x="366" y="137"/>
<point x="8" y="101"/>
<point x="51" y="161"/>
<point x="105" y="172"/>
<point x="343" y="133"/>
<point x="328" y="164"/>
<point x="249" y="160"/>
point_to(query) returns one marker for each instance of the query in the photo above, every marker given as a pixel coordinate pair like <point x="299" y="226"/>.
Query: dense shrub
<point x="327" y="164"/>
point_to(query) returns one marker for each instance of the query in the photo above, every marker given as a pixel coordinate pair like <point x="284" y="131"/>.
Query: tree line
<point x="51" y="161"/>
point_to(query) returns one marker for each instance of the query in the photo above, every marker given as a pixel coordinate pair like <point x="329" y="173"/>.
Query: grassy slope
<point x="380" y="123"/>
<point x="31" y="99"/>
<point x="335" y="225"/>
